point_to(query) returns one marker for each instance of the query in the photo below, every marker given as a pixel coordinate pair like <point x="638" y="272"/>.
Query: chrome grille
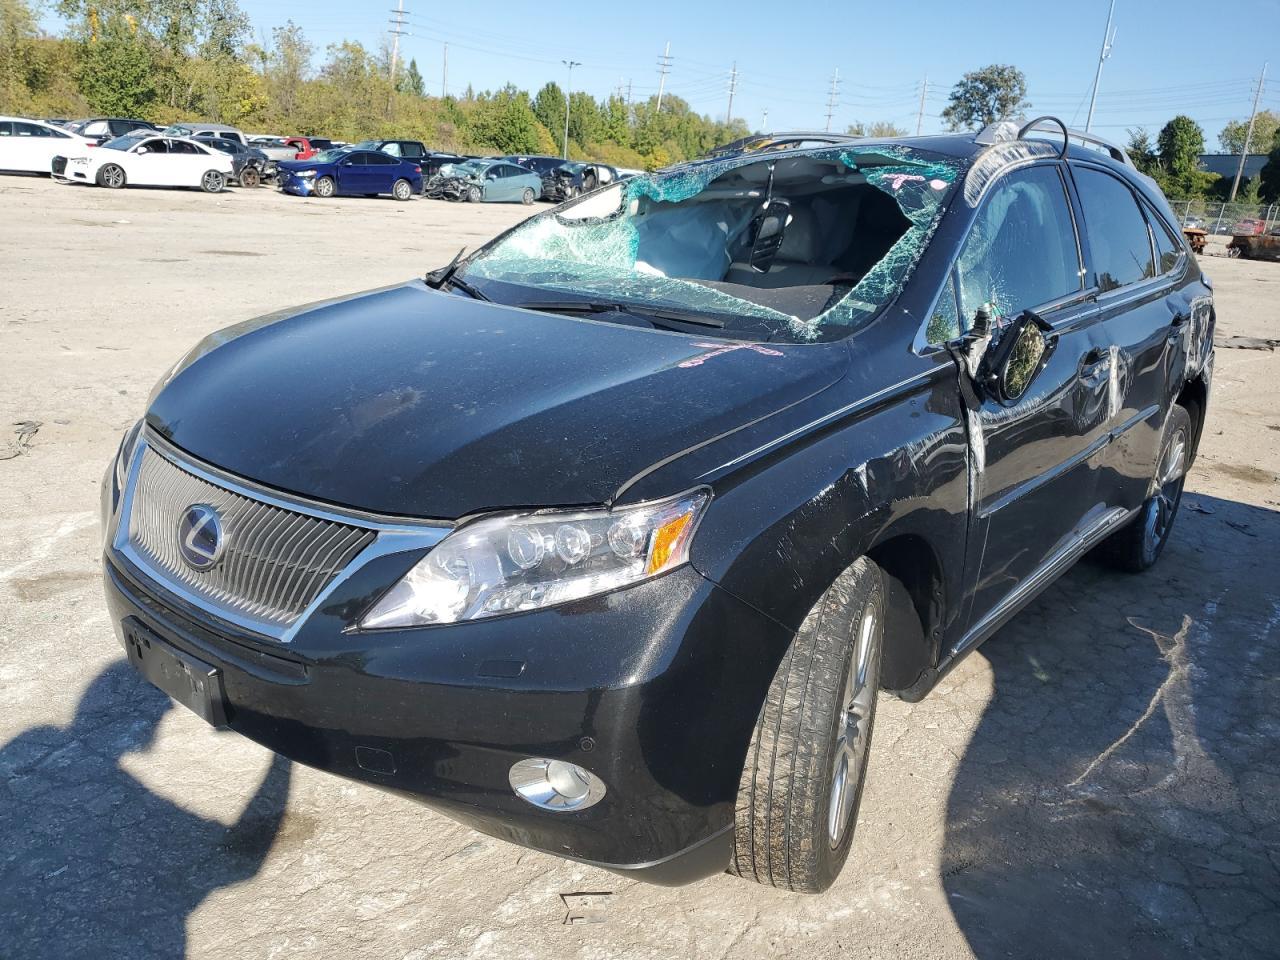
<point x="275" y="562"/>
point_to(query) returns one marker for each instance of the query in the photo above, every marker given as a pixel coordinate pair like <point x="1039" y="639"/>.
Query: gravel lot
<point x="1100" y="780"/>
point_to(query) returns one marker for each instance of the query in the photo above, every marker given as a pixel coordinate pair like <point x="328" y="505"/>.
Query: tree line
<point x="181" y="60"/>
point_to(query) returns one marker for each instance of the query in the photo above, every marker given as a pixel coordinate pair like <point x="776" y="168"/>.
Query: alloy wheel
<point x="1169" y="481"/>
<point x="854" y="721"/>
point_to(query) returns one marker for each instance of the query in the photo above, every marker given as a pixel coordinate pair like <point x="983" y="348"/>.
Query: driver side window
<point x="1021" y="252"/>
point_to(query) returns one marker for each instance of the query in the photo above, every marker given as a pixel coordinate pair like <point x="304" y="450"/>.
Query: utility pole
<point x="396" y="33"/>
<point x="664" y="63"/>
<point x="764" y="127"/>
<point x="733" y="85"/>
<point x="1108" y="40"/>
<point x="1248" y="135"/>
<point x="444" y="74"/>
<point x="570" y="64"/>
<point x="831" y="97"/>
<point x="924" y="91"/>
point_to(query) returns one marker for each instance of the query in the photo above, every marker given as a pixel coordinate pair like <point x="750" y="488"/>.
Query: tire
<point x="474" y="195"/>
<point x="802" y="781"/>
<point x="1139" y="544"/>
<point x="324" y="188"/>
<point x="527" y="197"/>
<point x="249" y="177"/>
<point x="401" y="190"/>
<point x="213" y="181"/>
<point x="111" y="175"/>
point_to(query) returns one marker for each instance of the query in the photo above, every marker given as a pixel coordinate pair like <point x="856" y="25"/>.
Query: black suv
<point x="605" y="539"/>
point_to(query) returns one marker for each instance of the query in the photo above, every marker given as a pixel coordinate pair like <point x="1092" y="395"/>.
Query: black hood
<point x="413" y="402"/>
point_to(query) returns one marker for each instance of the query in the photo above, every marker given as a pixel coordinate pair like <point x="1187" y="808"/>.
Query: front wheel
<point x="213" y="181"/>
<point x="111" y="175"/>
<point x="802" y="782"/>
<point x="1139" y="544"/>
<point x="474" y="195"/>
<point x="249" y="177"/>
<point x="402" y="190"/>
<point x="324" y="188"/>
<point x="527" y="197"/>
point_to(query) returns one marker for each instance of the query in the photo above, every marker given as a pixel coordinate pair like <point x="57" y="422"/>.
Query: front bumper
<point x="298" y="186"/>
<point x="653" y="688"/>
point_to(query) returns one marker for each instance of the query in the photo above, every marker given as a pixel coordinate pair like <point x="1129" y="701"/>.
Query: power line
<point x="1248" y="135"/>
<point x="831" y="97"/>
<point x="733" y="86"/>
<point x="664" y="64"/>
<point x="1108" y="40"/>
<point x="397" y="32"/>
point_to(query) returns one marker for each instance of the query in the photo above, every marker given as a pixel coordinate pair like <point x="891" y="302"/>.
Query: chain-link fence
<point x="1219" y="218"/>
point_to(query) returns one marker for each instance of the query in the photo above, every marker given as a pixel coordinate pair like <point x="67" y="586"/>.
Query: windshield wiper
<point x="652" y="314"/>
<point x="447" y="276"/>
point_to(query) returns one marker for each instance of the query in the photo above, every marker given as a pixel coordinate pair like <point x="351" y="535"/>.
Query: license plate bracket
<point x="188" y="680"/>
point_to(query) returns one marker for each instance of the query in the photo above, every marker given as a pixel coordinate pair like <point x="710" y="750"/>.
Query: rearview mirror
<point x="1014" y="360"/>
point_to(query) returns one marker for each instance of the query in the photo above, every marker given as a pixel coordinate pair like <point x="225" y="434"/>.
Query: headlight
<point x="305" y="173"/>
<point x="506" y="564"/>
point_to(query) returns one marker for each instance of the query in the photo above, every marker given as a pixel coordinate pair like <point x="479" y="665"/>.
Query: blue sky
<point x="1170" y="56"/>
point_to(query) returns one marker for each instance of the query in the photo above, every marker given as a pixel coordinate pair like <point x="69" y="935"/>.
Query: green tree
<point x="586" y="125"/>
<point x="1265" y="127"/>
<point x="17" y="36"/>
<point x="1142" y="152"/>
<point x="288" y="68"/>
<point x="548" y="106"/>
<point x="507" y="123"/>
<point x="411" y="81"/>
<point x="1269" y="178"/>
<point x="1181" y="142"/>
<point x="878" y="129"/>
<point x="997" y="92"/>
<point x="116" y="70"/>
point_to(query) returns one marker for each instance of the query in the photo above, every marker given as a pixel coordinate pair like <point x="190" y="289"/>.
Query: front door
<point x="1035" y="458"/>
<point x="356" y="174"/>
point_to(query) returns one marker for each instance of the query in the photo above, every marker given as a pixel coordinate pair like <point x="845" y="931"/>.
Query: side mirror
<point x="1014" y="360"/>
<point x="491" y="176"/>
<point x="766" y="230"/>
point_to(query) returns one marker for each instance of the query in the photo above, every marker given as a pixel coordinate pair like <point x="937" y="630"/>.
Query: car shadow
<point x="1121" y="794"/>
<point x="95" y="864"/>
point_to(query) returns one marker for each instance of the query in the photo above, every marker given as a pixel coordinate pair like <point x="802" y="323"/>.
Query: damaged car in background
<point x="484" y="181"/>
<point x="605" y="539"/>
<point x="568" y="180"/>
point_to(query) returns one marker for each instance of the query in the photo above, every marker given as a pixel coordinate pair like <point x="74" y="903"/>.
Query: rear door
<point x="1034" y="485"/>
<point x="1138" y="263"/>
<point x="188" y="163"/>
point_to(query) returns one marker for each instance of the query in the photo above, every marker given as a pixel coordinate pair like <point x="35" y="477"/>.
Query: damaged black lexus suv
<point x="604" y="539"/>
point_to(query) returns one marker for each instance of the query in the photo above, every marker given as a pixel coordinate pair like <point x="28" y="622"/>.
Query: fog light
<point x="555" y="784"/>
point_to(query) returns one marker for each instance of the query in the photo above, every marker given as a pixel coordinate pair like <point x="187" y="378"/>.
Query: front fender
<point x="846" y="473"/>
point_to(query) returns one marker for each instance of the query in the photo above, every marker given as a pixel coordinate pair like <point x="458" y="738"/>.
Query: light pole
<point x="570" y="64"/>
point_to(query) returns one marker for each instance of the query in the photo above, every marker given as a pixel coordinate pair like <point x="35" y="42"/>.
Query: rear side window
<point x="1168" y="246"/>
<point x="381" y="159"/>
<point x="412" y="151"/>
<point x="1117" y="230"/>
<point x="1021" y="252"/>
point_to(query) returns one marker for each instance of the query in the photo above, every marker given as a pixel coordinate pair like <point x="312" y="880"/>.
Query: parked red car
<point x="1249" y="228"/>
<point x="308" y="147"/>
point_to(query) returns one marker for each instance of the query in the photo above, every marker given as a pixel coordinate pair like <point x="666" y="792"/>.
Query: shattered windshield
<point x="468" y="168"/>
<point x="802" y="247"/>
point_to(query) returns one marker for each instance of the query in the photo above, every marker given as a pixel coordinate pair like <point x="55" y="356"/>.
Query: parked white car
<point x="142" y="160"/>
<point x="29" y="146"/>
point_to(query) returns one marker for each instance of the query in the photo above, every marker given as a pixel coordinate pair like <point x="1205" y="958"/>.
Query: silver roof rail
<point x="1004" y="131"/>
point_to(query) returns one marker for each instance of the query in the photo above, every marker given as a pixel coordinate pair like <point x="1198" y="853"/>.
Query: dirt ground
<point x="1101" y="779"/>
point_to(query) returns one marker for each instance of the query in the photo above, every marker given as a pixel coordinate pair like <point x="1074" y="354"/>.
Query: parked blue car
<point x="351" y="173"/>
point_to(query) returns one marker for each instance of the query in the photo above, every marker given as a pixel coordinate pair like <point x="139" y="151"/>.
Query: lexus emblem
<point x="200" y="536"/>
